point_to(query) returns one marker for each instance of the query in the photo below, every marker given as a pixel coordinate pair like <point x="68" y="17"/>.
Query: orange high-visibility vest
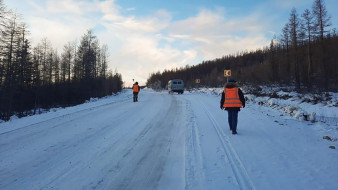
<point x="232" y="98"/>
<point x="135" y="88"/>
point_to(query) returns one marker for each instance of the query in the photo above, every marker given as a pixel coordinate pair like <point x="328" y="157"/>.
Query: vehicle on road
<point x="176" y="85"/>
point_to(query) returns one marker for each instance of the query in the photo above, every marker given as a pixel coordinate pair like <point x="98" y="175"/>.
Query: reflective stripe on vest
<point x="135" y="88"/>
<point x="232" y="98"/>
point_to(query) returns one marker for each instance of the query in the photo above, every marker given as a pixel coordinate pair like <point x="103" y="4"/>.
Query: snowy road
<point x="165" y="142"/>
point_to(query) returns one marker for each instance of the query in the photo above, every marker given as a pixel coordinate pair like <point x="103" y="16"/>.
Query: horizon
<point x="151" y="36"/>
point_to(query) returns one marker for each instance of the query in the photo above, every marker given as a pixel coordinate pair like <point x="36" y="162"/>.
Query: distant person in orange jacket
<point x="232" y="100"/>
<point x="136" y="90"/>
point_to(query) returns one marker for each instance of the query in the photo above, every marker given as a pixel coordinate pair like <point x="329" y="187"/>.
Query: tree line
<point x="304" y="55"/>
<point x="36" y="78"/>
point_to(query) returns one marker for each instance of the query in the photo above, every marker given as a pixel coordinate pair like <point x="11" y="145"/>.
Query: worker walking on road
<point x="232" y="100"/>
<point x="136" y="90"/>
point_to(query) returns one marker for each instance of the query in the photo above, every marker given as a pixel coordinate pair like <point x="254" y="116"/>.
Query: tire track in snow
<point x="241" y="175"/>
<point x="194" y="176"/>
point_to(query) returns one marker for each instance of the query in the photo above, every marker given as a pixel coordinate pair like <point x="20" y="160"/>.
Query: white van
<point x="176" y="85"/>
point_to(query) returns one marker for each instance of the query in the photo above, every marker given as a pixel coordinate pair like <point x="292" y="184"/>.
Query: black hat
<point x="232" y="80"/>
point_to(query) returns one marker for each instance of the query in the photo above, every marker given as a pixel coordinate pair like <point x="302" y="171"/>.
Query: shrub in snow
<point x="289" y="109"/>
<point x="14" y="117"/>
<point x="327" y="138"/>
<point x="92" y="100"/>
<point x="299" y="115"/>
<point x="215" y="91"/>
<point x="312" y="117"/>
<point x="272" y="102"/>
<point x="54" y="109"/>
<point x="250" y="98"/>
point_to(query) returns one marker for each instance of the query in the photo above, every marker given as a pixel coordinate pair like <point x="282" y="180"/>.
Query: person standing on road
<point x="136" y="90"/>
<point x="232" y="100"/>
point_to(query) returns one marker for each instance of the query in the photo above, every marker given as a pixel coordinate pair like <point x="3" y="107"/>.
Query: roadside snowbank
<point x="15" y="122"/>
<point x="308" y="107"/>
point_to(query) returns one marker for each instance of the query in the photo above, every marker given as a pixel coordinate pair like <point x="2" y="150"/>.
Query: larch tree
<point x="308" y="27"/>
<point x="322" y="22"/>
<point x="294" y="32"/>
<point x="322" y="18"/>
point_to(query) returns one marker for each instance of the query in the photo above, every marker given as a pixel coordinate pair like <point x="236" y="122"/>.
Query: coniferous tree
<point x="308" y="28"/>
<point x="322" y="22"/>
<point x="322" y="18"/>
<point x="285" y="39"/>
<point x="294" y="33"/>
<point x="273" y="60"/>
<point x="67" y="58"/>
<point x="104" y="61"/>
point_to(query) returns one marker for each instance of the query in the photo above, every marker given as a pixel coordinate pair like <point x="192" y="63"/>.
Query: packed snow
<point x="171" y="141"/>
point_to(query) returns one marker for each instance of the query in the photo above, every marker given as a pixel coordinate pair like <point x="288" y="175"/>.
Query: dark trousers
<point x="232" y="119"/>
<point x="135" y="96"/>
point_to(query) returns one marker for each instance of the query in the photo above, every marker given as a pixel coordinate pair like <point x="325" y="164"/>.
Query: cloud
<point x="144" y="48"/>
<point x="214" y="35"/>
<point x="60" y="21"/>
<point x="156" y="42"/>
<point x="131" y="9"/>
<point x="64" y="6"/>
<point x="71" y="6"/>
<point x="289" y="4"/>
<point x="59" y="33"/>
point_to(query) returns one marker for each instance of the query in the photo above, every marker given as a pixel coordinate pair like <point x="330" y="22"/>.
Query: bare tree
<point x="3" y="13"/>
<point x="273" y="59"/>
<point x="56" y="67"/>
<point x="285" y="39"/>
<point x="322" y="19"/>
<point x="67" y="58"/>
<point x="9" y="42"/>
<point x="104" y="61"/>
<point x="45" y="47"/>
<point x="86" y="53"/>
<point x="23" y="58"/>
<point x="308" y="27"/>
<point x="294" y="32"/>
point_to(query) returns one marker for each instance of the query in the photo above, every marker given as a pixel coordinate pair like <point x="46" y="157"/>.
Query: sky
<point x="147" y="36"/>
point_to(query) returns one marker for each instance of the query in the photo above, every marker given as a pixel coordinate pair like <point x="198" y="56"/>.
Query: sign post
<point x="227" y="74"/>
<point x="197" y="82"/>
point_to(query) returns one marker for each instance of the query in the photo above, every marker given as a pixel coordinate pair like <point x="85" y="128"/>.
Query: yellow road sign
<point x="227" y="73"/>
<point x="197" y="81"/>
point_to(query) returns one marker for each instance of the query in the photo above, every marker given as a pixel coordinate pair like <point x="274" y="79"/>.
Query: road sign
<point x="227" y="73"/>
<point x="197" y="81"/>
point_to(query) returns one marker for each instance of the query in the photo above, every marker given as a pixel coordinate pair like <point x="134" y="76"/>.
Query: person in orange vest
<point x="136" y="90"/>
<point x="232" y="101"/>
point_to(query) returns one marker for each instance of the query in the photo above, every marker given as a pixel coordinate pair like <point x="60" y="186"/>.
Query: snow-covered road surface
<point x="165" y="142"/>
